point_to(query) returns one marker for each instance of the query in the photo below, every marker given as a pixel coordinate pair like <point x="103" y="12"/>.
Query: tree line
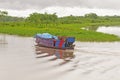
<point x="4" y="17"/>
<point x="39" y="18"/>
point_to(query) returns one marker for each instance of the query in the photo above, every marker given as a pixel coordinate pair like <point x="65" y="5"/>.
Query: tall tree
<point x="41" y="18"/>
<point x="91" y="15"/>
<point x="3" y="13"/>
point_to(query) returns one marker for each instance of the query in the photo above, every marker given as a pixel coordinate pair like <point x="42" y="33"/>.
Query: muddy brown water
<point x="21" y="60"/>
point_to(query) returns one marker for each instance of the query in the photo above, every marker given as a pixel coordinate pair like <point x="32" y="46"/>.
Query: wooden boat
<point x="53" y="42"/>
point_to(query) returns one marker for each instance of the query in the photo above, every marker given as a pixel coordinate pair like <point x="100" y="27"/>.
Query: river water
<point x="111" y="30"/>
<point x="105" y="29"/>
<point x="21" y="60"/>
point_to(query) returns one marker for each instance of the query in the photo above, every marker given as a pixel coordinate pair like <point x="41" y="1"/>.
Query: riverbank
<point x="59" y="30"/>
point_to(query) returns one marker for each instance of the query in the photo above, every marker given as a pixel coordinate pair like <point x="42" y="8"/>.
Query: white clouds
<point x="40" y="4"/>
<point x="20" y="13"/>
<point x="64" y="7"/>
<point x="78" y="11"/>
<point x="65" y="11"/>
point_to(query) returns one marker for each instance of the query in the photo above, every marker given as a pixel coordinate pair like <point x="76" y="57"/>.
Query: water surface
<point x="111" y="30"/>
<point x="21" y="60"/>
<point x="105" y="29"/>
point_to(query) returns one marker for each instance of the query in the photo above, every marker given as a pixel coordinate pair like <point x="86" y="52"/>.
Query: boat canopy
<point x="46" y="35"/>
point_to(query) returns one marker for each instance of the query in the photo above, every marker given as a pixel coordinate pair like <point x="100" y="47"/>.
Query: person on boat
<point x="61" y="41"/>
<point x="54" y="41"/>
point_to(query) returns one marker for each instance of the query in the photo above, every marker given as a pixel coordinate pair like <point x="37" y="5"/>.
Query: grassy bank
<point x="59" y="30"/>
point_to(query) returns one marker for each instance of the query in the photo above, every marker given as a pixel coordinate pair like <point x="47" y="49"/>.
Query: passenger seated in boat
<point x="54" y="41"/>
<point x="69" y="42"/>
<point x="61" y="42"/>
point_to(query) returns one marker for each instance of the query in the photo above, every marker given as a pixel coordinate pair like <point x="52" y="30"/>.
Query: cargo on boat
<point x="57" y="42"/>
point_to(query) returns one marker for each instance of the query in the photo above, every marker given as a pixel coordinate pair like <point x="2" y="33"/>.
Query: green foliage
<point x="11" y="19"/>
<point x="3" y="13"/>
<point x="38" y="19"/>
<point x="5" y="18"/>
<point x="41" y="18"/>
<point x="91" y="15"/>
<point x="75" y="30"/>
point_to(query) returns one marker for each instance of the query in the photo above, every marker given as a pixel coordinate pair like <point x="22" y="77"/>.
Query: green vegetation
<point x="63" y="26"/>
<point x="5" y="18"/>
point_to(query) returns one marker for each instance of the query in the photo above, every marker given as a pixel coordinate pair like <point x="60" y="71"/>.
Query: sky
<point x="61" y="7"/>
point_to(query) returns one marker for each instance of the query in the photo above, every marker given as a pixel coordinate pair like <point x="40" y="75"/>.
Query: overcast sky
<point x="61" y="7"/>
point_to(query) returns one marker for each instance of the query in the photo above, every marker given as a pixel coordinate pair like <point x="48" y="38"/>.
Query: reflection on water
<point x="3" y="39"/>
<point x="65" y="55"/>
<point x="92" y="28"/>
